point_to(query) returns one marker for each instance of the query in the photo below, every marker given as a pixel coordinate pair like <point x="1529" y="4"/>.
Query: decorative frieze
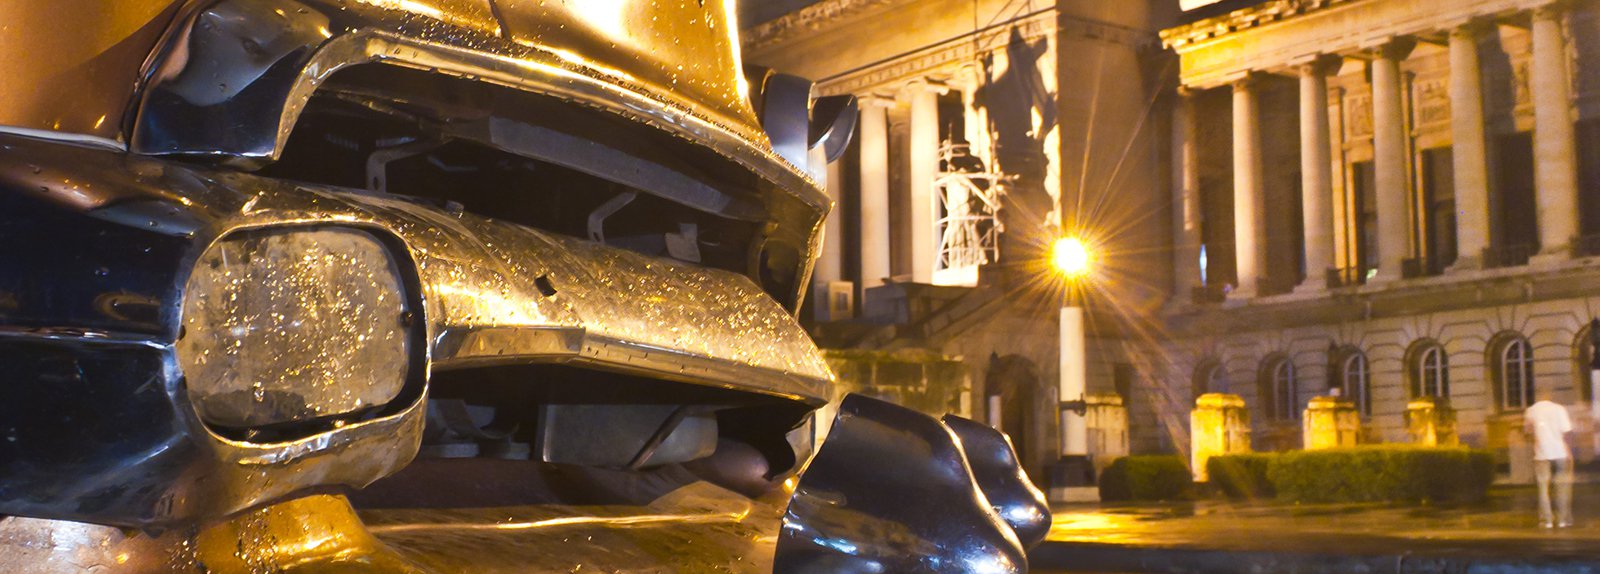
<point x="1431" y="100"/>
<point x="1358" y="116"/>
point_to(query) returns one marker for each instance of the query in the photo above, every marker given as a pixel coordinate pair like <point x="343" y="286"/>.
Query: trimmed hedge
<point x="1160" y="477"/>
<point x="1374" y="473"/>
<point x="1242" y="475"/>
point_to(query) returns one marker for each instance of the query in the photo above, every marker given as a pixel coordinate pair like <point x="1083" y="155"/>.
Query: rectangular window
<point x="1365" y="182"/>
<point x="1518" y="231"/>
<point x="1439" y="209"/>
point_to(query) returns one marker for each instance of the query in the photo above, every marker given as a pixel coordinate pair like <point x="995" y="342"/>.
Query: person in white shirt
<point x="1547" y="424"/>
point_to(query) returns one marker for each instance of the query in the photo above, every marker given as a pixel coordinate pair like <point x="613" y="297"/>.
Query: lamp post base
<point x="1072" y="480"/>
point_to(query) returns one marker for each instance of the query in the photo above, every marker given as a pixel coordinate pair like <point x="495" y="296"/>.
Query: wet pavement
<point x="1501" y="535"/>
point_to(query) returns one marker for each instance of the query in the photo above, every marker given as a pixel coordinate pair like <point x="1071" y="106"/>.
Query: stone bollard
<point x="1331" y="423"/>
<point x="1107" y="422"/>
<point x="1431" y="422"/>
<point x="1219" y="424"/>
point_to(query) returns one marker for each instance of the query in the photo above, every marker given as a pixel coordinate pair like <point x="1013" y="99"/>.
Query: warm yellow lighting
<point x="1071" y="257"/>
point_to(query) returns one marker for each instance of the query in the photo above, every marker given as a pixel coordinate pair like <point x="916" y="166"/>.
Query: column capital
<point x="1318" y="64"/>
<point x="922" y="86"/>
<point x="1245" y="81"/>
<point x="872" y="100"/>
<point x="1552" y="10"/>
<point x="1394" y="48"/>
<point x="1470" y="29"/>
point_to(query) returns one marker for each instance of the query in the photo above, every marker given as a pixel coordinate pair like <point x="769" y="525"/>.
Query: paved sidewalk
<point x="1499" y="536"/>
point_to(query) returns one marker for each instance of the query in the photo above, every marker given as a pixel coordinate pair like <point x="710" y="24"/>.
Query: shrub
<point x="1162" y="477"/>
<point x="1242" y="475"/>
<point x="1383" y="473"/>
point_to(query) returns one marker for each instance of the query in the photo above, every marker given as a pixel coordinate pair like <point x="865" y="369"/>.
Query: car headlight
<point x="294" y="325"/>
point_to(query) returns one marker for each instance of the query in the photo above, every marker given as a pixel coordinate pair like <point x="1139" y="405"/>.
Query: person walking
<point x="1548" y="425"/>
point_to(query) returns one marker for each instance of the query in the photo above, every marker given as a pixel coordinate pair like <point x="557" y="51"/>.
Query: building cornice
<point x="1469" y="290"/>
<point x="946" y="56"/>
<point x="1272" y="37"/>
<point x="808" y="20"/>
<point x="1245" y="18"/>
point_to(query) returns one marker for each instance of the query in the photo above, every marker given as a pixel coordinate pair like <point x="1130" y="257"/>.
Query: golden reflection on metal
<point x="602" y="521"/>
<point x="318" y="534"/>
<point x="696" y="528"/>
<point x="309" y="535"/>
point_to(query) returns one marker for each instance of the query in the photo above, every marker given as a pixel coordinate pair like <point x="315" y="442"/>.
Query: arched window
<point x="1583" y="363"/>
<point x="1279" y="390"/>
<point x="1511" y="362"/>
<point x="1209" y="377"/>
<point x="1352" y="377"/>
<point x="1430" y="370"/>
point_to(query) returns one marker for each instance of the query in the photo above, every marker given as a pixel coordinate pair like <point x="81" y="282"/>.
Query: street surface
<point x="1500" y="536"/>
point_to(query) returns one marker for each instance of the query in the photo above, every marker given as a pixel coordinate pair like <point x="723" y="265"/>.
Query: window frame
<point x="1358" y="391"/>
<point x="1514" y="373"/>
<point x="1438" y="385"/>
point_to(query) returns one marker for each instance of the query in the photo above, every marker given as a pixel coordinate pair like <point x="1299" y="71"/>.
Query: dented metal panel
<point x="488" y="291"/>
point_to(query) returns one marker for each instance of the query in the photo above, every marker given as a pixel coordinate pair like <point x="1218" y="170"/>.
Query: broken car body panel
<point x="479" y="300"/>
<point x="163" y="301"/>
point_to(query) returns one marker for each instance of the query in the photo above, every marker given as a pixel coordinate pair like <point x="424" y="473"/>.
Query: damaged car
<point x="440" y="286"/>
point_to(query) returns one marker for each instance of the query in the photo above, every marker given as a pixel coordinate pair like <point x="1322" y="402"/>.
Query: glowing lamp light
<point x="1071" y="257"/>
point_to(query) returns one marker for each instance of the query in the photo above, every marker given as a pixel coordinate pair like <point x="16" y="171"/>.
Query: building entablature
<point x="1278" y="35"/>
<point x="1480" y="289"/>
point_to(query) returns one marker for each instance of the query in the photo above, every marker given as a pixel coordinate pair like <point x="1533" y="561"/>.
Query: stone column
<point x="875" y="259"/>
<point x="1248" y="201"/>
<point x="1554" y="144"/>
<point x="829" y="262"/>
<point x="1316" y="169"/>
<point x="1469" y="149"/>
<point x="1185" y="198"/>
<point x="924" y="168"/>
<point x="1389" y="159"/>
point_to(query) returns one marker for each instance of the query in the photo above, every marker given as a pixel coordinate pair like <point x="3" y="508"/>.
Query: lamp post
<point x="1074" y="261"/>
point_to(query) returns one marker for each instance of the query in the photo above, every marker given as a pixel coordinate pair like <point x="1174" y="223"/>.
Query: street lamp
<point x="1074" y="261"/>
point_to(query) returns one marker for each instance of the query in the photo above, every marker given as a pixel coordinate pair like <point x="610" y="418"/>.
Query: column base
<point x="1552" y="256"/>
<point x="1465" y="264"/>
<point x="1072" y="479"/>
<point x="1312" y="285"/>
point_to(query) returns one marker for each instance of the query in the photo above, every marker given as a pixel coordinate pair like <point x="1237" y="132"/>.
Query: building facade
<point x="1383" y="199"/>
<point x="1392" y="198"/>
<point x="989" y="128"/>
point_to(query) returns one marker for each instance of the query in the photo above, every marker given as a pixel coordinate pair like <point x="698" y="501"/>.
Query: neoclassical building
<point x="1393" y="198"/>
<point x="984" y="125"/>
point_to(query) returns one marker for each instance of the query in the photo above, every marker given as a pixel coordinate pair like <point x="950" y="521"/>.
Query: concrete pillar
<point x="1185" y="199"/>
<point x="1074" y="366"/>
<point x="1316" y="169"/>
<point x="1330" y="423"/>
<point x="1554" y="144"/>
<point x="1249" y="229"/>
<point x="1469" y="148"/>
<point x="874" y="191"/>
<point x="1219" y="424"/>
<point x="1106" y="421"/>
<point x="1431" y="422"/>
<point x="1389" y="159"/>
<point x="923" y="97"/>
